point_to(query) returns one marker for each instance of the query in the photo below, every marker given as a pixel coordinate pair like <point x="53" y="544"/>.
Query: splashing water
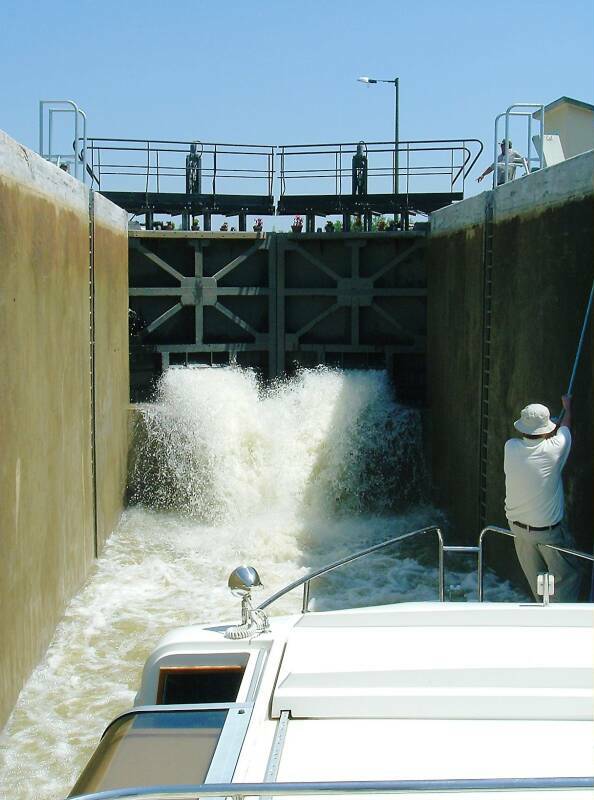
<point x="218" y="447"/>
<point x="223" y="472"/>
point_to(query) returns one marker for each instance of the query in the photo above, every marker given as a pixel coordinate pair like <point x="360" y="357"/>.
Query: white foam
<point x="327" y="441"/>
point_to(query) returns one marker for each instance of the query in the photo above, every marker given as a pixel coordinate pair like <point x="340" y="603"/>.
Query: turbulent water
<point x="225" y="472"/>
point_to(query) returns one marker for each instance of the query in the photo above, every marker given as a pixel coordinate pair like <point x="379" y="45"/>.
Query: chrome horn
<point x="253" y="620"/>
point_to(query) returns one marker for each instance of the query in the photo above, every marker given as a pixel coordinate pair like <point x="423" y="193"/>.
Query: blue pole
<point x="570" y="388"/>
<point x="581" y="342"/>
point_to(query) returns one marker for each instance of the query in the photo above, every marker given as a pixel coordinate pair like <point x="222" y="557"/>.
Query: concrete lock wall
<point x="47" y="508"/>
<point x="541" y="272"/>
<point x="112" y="379"/>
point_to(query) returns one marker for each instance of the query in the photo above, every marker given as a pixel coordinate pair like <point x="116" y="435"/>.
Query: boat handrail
<point x="238" y="791"/>
<point x="305" y="580"/>
<point x="507" y="532"/>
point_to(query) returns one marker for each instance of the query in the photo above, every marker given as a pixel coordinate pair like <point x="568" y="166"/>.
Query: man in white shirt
<point x="534" y="503"/>
<point x="514" y="160"/>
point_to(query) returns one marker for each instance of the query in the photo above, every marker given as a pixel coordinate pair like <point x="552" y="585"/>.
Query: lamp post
<point x="367" y="80"/>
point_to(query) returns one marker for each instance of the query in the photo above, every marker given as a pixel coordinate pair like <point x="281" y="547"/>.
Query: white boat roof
<point x="412" y="691"/>
<point x="418" y="662"/>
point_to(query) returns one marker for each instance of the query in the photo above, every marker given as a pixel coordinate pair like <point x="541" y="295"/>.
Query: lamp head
<point x="242" y="580"/>
<point x="365" y="79"/>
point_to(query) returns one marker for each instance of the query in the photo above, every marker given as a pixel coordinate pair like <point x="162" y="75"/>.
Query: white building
<point x="573" y="121"/>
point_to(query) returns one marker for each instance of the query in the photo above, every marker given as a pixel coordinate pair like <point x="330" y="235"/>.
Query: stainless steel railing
<point x="534" y="109"/>
<point x="506" y="532"/>
<point x="238" y="791"/>
<point x="76" y="158"/>
<point x="305" y="580"/>
<point x="478" y="550"/>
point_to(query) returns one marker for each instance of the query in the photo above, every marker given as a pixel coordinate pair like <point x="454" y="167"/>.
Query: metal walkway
<point x="348" y="178"/>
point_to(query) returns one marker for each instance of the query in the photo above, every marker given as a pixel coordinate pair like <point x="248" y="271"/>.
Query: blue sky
<point x="274" y="72"/>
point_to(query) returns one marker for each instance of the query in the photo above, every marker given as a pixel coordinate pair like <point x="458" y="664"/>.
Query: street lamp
<point x="365" y="79"/>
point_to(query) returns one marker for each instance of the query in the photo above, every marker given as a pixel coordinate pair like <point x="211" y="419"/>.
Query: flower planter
<point x="296" y="228"/>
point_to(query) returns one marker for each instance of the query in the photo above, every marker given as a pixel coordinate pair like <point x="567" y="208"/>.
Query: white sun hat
<point x="535" y="420"/>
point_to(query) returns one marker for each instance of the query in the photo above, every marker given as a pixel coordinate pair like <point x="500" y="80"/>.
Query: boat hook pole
<point x="570" y="388"/>
<point x="579" y="350"/>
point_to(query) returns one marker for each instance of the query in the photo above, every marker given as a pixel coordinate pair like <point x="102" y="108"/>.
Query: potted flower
<point x="195" y="224"/>
<point x="297" y="225"/>
<point x="329" y="227"/>
<point x="258" y="225"/>
<point x="224" y="227"/>
<point x="381" y="224"/>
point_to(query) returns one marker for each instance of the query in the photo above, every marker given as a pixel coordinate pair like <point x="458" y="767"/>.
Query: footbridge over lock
<point x="201" y="179"/>
<point x="277" y="302"/>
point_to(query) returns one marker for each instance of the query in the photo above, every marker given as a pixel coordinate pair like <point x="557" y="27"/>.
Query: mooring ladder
<point x="486" y="358"/>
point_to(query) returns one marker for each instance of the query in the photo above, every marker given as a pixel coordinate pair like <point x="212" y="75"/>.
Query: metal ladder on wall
<point x="528" y="111"/>
<point x="486" y="358"/>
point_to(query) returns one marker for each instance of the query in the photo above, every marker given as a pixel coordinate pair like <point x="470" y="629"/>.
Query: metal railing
<point x="305" y="580"/>
<point x="412" y="160"/>
<point x="505" y="164"/>
<point x="46" y="144"/>
<point x="239" y="791"/>
<point x="153" y="162"/>
<point x="506" y="532"/>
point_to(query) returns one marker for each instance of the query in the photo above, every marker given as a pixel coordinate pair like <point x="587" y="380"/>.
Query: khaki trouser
<point x="534" y="560"/>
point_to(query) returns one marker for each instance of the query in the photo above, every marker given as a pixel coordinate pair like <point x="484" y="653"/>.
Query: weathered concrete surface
<point x="47" y="512"/>
<point x="556" y="186"/>
<point x="542" y="273"/>
<point x="542" y="279"/>
<point x="454" y="330"/>
<point x="112" y="379"/>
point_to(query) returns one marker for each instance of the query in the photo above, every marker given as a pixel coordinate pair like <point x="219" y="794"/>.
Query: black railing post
<point x="214" y="171"/>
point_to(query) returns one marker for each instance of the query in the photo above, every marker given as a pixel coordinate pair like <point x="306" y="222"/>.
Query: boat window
<point x="154" y="747"/>
<point x="202" y="684"/>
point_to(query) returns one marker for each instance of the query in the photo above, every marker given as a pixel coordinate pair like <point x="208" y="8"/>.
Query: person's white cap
<point x="535" y="420"/>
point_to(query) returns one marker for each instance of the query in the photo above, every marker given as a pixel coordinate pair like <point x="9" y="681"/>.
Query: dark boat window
<point x="204" y="684"/>
<point x="151" y="748"/>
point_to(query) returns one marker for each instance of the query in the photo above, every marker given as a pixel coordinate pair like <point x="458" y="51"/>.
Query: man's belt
<point x="534" y="528"/>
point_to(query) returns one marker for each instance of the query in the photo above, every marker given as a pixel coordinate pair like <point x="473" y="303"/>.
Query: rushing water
<point x="226" y="472"/>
